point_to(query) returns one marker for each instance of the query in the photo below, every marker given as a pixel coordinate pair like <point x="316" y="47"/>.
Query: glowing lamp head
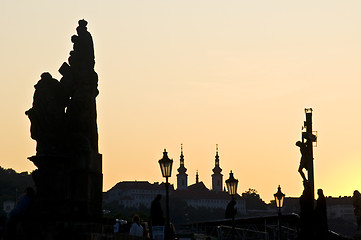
<point x="232" y="184"/>
<point x="279" y="197"/>
<point x="166" y="165"/>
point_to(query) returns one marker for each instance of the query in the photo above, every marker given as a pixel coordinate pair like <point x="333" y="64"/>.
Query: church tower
<point x="217" y="177"/>
<point x="182" y="176"/>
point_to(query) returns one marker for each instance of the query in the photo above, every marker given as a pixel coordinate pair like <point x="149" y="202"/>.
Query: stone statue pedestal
<point x="68" y="187"/>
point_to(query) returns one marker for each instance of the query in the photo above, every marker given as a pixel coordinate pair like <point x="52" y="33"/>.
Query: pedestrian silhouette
<point x="136" y="229"/>
<point x="356" y="200"/>
<point x="19" y="214"/>
<point x="156" y="212"/>
<point x="321" y="216"/>
<point x="231" y="210"/>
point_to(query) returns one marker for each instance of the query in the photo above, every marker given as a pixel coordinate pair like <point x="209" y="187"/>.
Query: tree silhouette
<point x="253" y="200"/>
<point x="13" y="184"/>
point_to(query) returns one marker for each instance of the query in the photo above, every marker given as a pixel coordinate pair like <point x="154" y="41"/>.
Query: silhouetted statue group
<point x="63" y="116"/>
<point x="64" y="124"/>
<point x="313" y="220"/>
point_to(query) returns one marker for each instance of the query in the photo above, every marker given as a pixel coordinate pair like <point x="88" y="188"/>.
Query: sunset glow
<point x="199" y="73"/>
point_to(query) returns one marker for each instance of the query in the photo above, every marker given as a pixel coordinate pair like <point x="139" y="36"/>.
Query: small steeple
<point x="216" y="168"/>
<point x="217" y="176"/>
<point x="181" y="156"/>
<point x="182" y="176"/>
<point x="197" y="177"/>
<point x="182" y="169"/>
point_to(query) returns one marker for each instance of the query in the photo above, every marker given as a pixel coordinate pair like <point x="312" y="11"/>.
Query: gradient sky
<point x="199" y="73"/>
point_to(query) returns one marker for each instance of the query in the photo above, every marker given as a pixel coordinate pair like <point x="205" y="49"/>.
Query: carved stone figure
<point x="68" y="109"/>
<point x="80" y="82"/>
<point x="47" y="115"/>
<point x="304" y="159"/>
<point x="321" y="216"/>
<point x="64" y="124"/>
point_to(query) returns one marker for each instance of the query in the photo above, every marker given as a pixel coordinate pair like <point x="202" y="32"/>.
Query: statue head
<point x="46" y="76"/>
<point x="82" y="23"/>
<point x="74" y="38"/>
<point x="81" y="29"/>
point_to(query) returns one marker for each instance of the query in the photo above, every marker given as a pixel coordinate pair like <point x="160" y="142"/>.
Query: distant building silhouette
<point x="340" y="208"/>
<point x="182" y="176"/>
<point x="135" y="194"/>
<point x="198" y="195"/>
<point x="337" y="207"/>
<point x="217" y="177"/>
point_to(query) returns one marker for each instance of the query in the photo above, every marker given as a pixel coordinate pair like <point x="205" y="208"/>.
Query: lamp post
<point x="279" y="197"/>
<point x="166" y="167"/>
<point x="232" y="184"/>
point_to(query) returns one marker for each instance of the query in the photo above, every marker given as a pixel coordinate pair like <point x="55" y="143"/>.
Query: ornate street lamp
<point x="279" y="197"/>
<point x="232" y="185"/>
<point x="166" y="167"/>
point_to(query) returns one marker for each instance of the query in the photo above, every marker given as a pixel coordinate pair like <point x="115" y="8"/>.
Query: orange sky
<point x="199" y="73"/>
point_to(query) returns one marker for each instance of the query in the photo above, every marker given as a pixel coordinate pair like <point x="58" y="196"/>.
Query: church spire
<point x="182" y="169"/>
<point x="217" y="176"/>
<point x="217" y="169"/>
<point x="197" y="177"/>
<point x="182" y="176"/>
<point x="182" y="156"/>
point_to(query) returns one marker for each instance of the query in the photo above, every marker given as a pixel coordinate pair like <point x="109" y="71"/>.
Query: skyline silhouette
<point x="199" y="74"/>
